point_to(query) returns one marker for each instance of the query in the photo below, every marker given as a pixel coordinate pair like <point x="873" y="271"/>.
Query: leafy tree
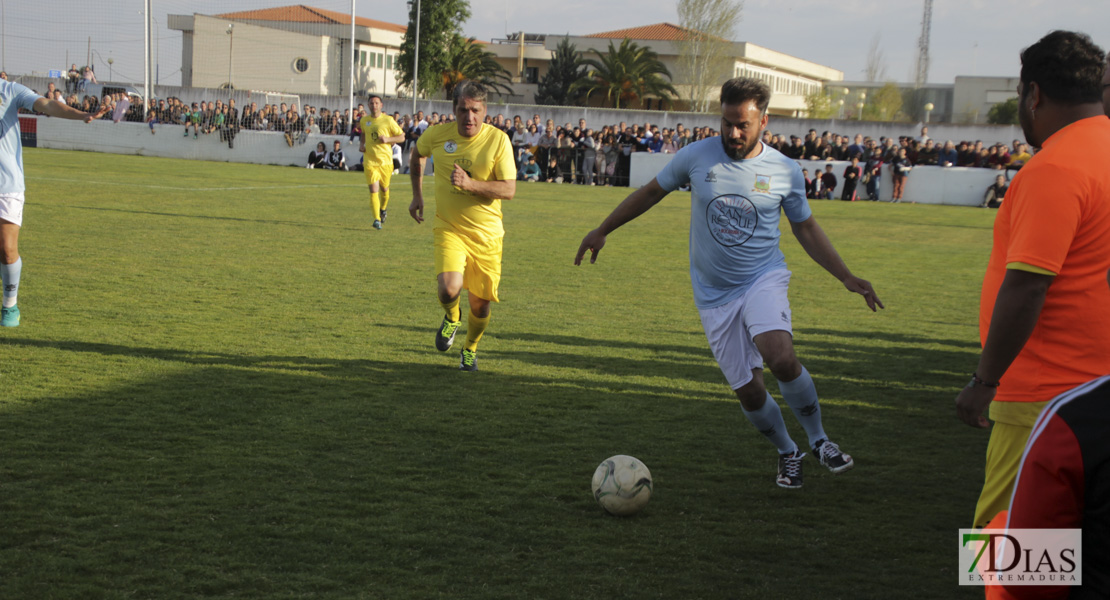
<point x="1004" y="113"/>
<point x="885" y="104"/>
<point x="565" y="69"/>
<point x="440" y="23"/>
<point x="624" y="74"/>
<point x="820" y="105"/>
<point x="467" y="60"/>
<point x="705" y="52"/>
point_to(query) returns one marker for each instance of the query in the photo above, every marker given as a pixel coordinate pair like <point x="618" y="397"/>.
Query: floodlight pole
<point x="146" y="59"/>
<point x="415" y="60"/>
<point x="351" y="90"/>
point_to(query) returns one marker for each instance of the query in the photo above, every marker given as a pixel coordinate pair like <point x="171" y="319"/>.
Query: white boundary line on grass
<point x="208" y="189"/>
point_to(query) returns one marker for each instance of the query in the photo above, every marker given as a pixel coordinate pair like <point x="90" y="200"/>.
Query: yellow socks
<point x="375" y="206"/>
<point x="385" y="198"/>
<point x="452" y="309"/>
<point x="475" y="327"/>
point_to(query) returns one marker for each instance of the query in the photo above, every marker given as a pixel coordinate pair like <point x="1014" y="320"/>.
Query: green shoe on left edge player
<point x="9" y="317"/>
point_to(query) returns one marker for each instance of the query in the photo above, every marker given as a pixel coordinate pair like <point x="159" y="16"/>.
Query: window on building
<point x="362" y="58"/>
<point x="531" y="74"/>
<point x="389" y="61"/>
<point x="381" y="59"/>
<point x="300" y="65"/>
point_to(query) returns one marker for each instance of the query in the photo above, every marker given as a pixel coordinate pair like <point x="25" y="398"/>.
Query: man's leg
<point x="449" y="287"/>
<point x="10" y="267"/>
<point x="375" y="202"/>
<point x="800" y="394"/>
<point x="1007" y="443"/>
<point x="386" y="176"/>
<point x="741" y="364"/>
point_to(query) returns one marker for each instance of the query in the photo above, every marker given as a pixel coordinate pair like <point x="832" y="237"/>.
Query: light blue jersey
<point x="13" y="97"/>
<point x="734" y="215"/>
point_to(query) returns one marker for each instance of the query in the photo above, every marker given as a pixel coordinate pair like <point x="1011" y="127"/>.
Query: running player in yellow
<point x="474" y="171"/>
<point x="379" y="132"/>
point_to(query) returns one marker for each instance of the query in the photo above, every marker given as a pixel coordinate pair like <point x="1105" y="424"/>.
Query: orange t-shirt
<point x="1057" y="217"/>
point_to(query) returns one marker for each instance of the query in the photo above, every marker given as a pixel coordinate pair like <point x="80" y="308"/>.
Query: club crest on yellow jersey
<point x="450" y="146"/>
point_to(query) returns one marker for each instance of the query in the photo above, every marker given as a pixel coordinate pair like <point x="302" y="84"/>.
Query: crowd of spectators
<point x="566" y="153"/>
<point x="918" y="150"/>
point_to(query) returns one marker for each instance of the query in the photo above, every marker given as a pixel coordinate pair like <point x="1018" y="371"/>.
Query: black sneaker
<point x="469" y="360"/>
<point x="790" y="470"/>
<point x="383" y="216"/>
<point x="829" y="454"/>
<point x="445" y="335"/>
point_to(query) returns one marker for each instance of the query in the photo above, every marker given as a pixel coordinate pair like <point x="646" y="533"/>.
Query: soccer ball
<point x="622" y="485"/>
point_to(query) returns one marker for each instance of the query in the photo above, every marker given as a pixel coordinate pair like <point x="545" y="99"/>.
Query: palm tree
<point x="467" y="60"/>
<point x="625" y="74"/>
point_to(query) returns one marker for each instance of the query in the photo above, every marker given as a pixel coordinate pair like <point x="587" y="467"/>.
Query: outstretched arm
<point x="820" y="249"/>
<point x="53" y="108"/>
<point x="636" y="204"/>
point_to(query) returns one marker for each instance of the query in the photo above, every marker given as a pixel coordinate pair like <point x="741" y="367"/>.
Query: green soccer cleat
<point x="377" y="224"/>
<point x="445" y="335"/>
<point x="469" y="360"/>
<point x="9" y="317"/>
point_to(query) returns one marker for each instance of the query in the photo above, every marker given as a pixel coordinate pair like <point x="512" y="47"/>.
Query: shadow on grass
<point x="291" y="476"/>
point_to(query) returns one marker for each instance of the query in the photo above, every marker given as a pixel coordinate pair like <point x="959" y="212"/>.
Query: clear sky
<point x="969" y="37"/>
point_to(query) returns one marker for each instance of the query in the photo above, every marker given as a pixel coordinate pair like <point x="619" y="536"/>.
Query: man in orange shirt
<point x="1045" y="308"/>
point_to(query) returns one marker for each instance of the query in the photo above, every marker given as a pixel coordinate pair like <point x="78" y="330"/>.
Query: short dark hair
<point x="1066" y="65"/>
<point x="372" y="96"/>
<point x="470" y="90"/>
<point x="741" y="89"/>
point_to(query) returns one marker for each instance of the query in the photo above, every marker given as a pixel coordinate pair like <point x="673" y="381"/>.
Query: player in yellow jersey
<point x="474" y="171"/>
<point x="379" y="132"/>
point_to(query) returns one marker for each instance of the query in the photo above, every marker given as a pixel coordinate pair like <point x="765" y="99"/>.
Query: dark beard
<point x="739" y="153"/>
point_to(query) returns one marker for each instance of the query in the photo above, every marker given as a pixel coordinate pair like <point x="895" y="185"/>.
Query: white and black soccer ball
<point x="622" y="485"/>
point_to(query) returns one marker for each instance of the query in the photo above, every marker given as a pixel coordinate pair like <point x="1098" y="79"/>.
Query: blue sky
<point x="969" y="37"/>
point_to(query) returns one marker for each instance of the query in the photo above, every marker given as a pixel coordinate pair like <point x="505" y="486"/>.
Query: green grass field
<point x="225" y="386"/>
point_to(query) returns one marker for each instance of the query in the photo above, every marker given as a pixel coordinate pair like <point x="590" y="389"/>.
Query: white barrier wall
<point x="926" y="185"/>
<point x="959" y="186"/>
<point x="258" y="147"/>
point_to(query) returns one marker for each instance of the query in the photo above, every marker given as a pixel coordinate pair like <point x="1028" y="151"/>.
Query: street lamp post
<point x="861" y="103"/>
<point x="840" y="109"/>
<point x="415" y="59"/>
<point x="928" y="109"/>
<point x="110" y="61"/>
<point x="230" y="51"/>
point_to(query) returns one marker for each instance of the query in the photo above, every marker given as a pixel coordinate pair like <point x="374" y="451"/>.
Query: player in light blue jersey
<point x="14" y="97"/>
<point x="739" y="188"/>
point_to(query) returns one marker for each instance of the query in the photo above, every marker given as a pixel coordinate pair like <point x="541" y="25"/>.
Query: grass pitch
<point x="225" y="386"/>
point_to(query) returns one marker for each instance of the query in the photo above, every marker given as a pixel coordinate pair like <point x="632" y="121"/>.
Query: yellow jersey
<point x="488" y="156"/>
<point x="378" y="154"/>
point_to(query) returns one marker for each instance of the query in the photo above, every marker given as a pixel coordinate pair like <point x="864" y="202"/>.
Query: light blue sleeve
<point x="794" y="204"/>
<point x="677" y="172"/>
<point x="24" y="96"/>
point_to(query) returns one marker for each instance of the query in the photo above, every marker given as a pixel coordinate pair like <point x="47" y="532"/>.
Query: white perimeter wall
<point x="960" y="186"/>
<point x="927" y="185"/>
<point x="258" y="147"/>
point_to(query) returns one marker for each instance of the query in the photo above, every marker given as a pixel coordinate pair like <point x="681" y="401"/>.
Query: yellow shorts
<point x="480" y="263"/>
<point x="378" y="174"/>
<point x="1004" y="451"/>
